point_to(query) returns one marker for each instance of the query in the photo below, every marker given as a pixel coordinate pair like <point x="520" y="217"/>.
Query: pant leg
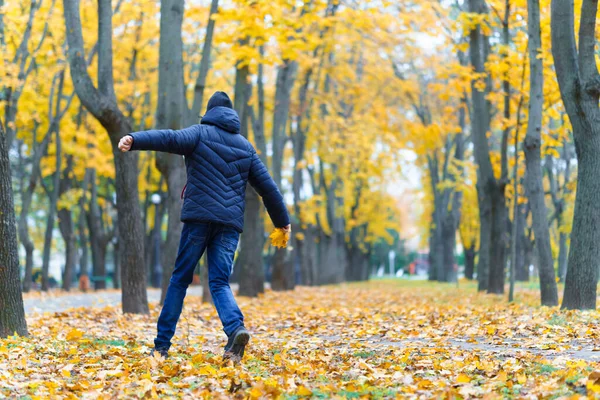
<point x="220" y="252"/>
<point x="191" y="247"/>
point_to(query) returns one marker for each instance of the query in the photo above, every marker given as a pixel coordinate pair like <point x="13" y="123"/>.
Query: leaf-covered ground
<point x="375" y="340"/>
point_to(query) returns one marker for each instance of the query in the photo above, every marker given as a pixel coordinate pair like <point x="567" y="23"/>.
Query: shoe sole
<point x="239" y="345"/>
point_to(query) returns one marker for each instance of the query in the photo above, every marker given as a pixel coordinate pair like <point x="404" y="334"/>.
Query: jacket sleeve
<point x="265" y="186"/>
<point x="181" y="142"/>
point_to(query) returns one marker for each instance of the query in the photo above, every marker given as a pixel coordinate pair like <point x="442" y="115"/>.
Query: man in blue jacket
<point x="219" y="163"/>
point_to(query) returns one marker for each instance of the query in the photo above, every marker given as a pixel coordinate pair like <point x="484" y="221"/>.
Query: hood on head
<point x="224" y="118"/>
<point x="219" y="99"/>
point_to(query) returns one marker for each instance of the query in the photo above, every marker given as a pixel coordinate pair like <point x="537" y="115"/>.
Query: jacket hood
<point x="219" y="99"/>
<point x="224" y="118"/>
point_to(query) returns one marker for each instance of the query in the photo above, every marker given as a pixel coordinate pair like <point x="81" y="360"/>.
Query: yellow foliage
<point x="279" y="238"/>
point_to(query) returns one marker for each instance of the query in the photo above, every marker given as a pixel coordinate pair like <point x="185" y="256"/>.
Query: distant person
<point x="219" y="162"/>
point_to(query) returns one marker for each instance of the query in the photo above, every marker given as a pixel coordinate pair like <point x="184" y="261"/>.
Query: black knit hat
<point x="219" y="99"/>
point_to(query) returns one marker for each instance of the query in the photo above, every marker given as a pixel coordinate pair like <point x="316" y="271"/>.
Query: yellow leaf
<point x="74" y="335"/>
<point x="255" y="392"/>
<point x="463" y="378"/>
<point x="303" y="391"/>
<point x="279" y="238"/>
<point x="207" y="370"/>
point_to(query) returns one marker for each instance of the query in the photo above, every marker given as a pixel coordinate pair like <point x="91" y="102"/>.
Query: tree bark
<point x="579" y="83"/>
<point x="558" y="199"/>
<point x="67" y="228"/>
<point x="83" y="237"/>
<point x="499" y="239"/>
<point x="469" y="262"/>
<point x="170" y="114"/>
<point x="204" y="66"/>
<point x="99" y="238"/>
<point x="206" y="295"/>
<point x="492" y="207"/>
<point x="523" y="242"/>
<point x="283" y="269"/>
<point x="26" y="199"/>
<point x="12" y="313"/>
<point x="102" y="104"/>
<point x="52" y="206"/>
<point x="117" y="261"/>
<point x="532" y="145"/>
<point x="250" y="262"/>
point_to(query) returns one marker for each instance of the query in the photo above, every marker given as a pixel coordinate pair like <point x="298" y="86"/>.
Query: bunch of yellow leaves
<point x="279" y="237"/>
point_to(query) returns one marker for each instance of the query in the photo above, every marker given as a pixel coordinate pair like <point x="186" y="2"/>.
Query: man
<point x="219" y="162"/>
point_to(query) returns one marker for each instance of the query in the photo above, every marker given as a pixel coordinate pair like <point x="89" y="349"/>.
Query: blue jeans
<point x="220" y="242"/>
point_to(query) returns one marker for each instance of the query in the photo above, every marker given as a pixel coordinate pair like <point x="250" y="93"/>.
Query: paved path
<point x="508" y="348"/>
<point x="50" y="303"/>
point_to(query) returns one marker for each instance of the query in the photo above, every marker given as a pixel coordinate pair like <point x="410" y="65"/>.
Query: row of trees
<point x="319" y="113"/>
<point x="329" y="93"/>
<point x="493" y="130"/>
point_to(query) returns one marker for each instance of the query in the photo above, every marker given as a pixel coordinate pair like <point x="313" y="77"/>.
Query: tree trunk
<point x="582" y="270"/>
<point x="176" y="179"/>
<point x="534" y="176"/>
<point x="283" y="270"/>
<point x="170" y="114"/>
<point x="358" y="264"/>
<point x="117" y="261"/>
<point x="485" y="237"/>
<point x="83" y="241"/>
<point x="250" y="262"/>
<point x="469" y="262"/>
<point x="562" y="256"/>
<point x="579" y="83"/>
<point x="448" y="246"/>
<point x="67" y="230"/>
<point x="436" y="254"/>
<point x="28" y="246"/>
<point x="206" y="295"/>
<point x="26" y="199"/>
<point x="308" y="267"/>
<point x="480" y="122"/>
<point x="12" y="313"/>
<point x="283" y="276"/>
<point x="521" y="265"/>
<point x="102" y="104"/>
<point x="499" y="240"/>
<point x="204" y="65"/>
<point x="53" y="197"/>
<point x="97" y="236"/>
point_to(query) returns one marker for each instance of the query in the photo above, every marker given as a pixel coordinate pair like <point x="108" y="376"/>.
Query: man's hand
<point x="126" y="143"/>
<point x="287" y="229"/>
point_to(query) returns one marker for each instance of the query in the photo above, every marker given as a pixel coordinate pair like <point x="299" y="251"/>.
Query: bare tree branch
<point x="204" y="64"/>
<point x="105" y="50"/>
<point x="86" y="91"/>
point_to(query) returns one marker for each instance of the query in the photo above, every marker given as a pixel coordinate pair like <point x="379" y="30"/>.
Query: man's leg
<point x="191" y="247"/>
<point x="220" y="252"/>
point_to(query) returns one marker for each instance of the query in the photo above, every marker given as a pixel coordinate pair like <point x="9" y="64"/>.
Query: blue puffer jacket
<point x="219" y="163"/>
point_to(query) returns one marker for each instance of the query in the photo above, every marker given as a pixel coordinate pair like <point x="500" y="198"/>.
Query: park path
<point x="507" y="348"/>
<point x="63" y="302"/>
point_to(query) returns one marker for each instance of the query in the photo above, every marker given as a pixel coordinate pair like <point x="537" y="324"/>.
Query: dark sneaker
<point x="236" y="344"/>
<point x="162" y="352"/>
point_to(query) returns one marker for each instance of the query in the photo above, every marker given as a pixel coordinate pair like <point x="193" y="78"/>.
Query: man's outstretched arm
<point x="180" y="142"/>
<point x="265" y="186"/>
